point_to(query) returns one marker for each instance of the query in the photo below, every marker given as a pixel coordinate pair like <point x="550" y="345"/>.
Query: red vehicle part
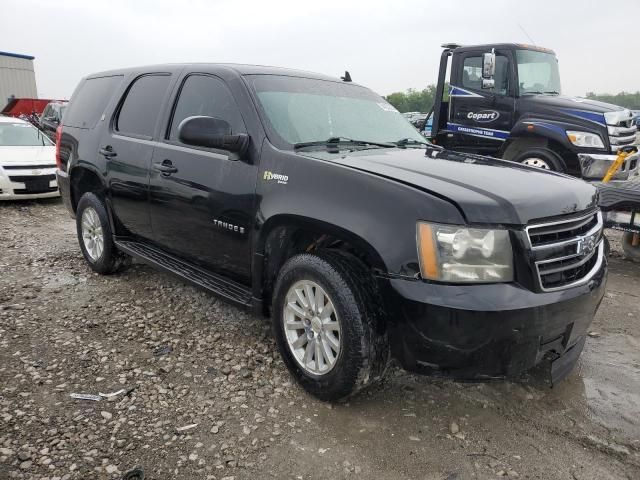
<point x="26" y="106"/>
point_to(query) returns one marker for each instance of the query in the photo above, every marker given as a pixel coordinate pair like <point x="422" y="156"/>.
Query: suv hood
<point x="484" y="189"/>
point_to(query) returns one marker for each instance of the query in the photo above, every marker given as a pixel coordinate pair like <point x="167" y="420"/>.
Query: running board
<point x="214" y="283"/>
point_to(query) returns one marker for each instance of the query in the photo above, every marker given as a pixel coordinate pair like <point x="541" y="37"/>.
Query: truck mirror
<point x="488" y="65"/>
<point x="211" y="132"/>
<point x="488" y="83"/>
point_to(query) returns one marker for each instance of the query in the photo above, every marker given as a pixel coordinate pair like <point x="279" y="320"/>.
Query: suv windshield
<point x="537" y="72"/>
<point x="304" y="110"/>
<point x="21" y="135"/>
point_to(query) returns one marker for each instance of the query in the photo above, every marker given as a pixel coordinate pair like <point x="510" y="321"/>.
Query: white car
<point x="27" y="162"/>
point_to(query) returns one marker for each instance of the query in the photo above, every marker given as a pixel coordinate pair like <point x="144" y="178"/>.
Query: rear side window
<point x="209" y="96"/>
<point x="141" y="107"/>
<point x="89" y="101"/>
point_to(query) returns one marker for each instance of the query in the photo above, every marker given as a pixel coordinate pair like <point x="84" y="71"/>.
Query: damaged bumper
<point x="595" y="166"/>
<point x="488" y="331"/>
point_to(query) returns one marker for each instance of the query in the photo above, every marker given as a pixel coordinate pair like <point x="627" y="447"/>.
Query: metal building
<point x="17" y="77"/>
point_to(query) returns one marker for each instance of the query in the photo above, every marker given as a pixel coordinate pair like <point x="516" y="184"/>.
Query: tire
<point x="630" y="252"/>
<point x="95" y="237"/>
<point x="363" y="348"/>
<point x="541" y="158"/>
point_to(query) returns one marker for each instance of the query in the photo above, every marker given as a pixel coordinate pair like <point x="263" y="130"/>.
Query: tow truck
<point x="505" y="101"/>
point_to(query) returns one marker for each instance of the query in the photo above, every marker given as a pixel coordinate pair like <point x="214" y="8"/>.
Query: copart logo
<point x="485" y="116"/>
<point x="283" y="179"/>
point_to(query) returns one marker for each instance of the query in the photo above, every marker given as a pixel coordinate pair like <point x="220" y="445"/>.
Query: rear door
<point x="481" y="118"/>
<point x="127" y="147"/>
<point x="203" y="210"/>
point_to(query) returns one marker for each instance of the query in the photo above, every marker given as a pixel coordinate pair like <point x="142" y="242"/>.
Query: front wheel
<point x="95" y="238"/>
<point x="325" y="320"/>
<point x="541" y="158"/>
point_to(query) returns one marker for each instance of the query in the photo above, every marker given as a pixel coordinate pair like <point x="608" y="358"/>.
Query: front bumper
<point x="488" y="331"/>
<point x="594" y="166"/>
<point x="26" y="183"/>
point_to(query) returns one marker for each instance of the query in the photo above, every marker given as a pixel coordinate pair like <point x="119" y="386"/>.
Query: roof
<point x="240" y="69"/>
<point x="16" y="55"/>
<point x="498" y="46"/>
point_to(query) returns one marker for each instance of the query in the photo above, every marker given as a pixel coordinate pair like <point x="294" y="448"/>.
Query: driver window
<point x="472" y="74"/>
<point x="208" y="96"/>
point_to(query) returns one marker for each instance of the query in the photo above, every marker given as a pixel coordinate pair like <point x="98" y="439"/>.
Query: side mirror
<point x="488" y="65"/>
<point x="211" y="132"/>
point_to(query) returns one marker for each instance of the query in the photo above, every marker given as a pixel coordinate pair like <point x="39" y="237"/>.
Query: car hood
<point x="484" y="189"/>
<point x="563" y="101"/>
<point x="40" y="155"/>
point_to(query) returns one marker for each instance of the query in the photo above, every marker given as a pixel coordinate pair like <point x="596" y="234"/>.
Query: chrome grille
<point x="622" y="133"/>
<point x="567" y="252"/>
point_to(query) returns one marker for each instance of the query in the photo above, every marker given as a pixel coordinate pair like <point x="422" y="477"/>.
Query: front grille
<point x="566" y="252"/>
<point x="33" y="183"/>
<point x="622" y="133"/>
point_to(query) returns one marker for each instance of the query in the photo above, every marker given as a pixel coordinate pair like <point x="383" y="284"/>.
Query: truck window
<point x="472" y="74"/>
<point x="89" y="101"/>
<point x="141" y="107"/>
<point x="209" y="96"/>
<point x="537" y="72"/>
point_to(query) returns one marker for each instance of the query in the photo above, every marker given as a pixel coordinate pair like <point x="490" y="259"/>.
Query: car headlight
<point x="451" y="253"/>
<point x="585" y="139"/>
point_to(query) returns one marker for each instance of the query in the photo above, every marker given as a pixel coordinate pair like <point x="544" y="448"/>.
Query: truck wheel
<point x="94" y="236"/>
<point x="630" y="252"/>
<point x="541" y="158"/>
<point x="325" y="313"/>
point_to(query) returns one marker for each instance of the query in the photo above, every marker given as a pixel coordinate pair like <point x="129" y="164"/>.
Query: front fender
<point x="376" y="211"/>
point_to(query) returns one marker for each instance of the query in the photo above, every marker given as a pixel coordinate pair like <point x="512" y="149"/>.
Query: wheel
<point x="326" y="319"/>
<point x="630" y="252"/>
<point x="95" y="238"/>
<point x="541" y="158"/>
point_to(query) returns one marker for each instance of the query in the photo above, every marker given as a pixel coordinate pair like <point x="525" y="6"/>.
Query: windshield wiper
<point x="336" y="141"/>
<point x="404" y="142"/>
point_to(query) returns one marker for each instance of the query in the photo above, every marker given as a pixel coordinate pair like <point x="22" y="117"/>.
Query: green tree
<point x="415" y="100"/>
<point x="623" y="99"/>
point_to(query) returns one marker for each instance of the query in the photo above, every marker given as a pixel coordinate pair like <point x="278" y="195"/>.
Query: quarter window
<point x="208" y="96"/>
<point x="139" y="112"/>
<point x="472" y="74"/>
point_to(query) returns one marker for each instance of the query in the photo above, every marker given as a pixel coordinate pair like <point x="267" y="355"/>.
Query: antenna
<point x="347" y="77"/>
<point x="525" y="32"/>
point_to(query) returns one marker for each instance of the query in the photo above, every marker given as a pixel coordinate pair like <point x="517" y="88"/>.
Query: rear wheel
<point x="541" y="158"/>
<point x="95" y="238"/>
<point x="325" y="315"/>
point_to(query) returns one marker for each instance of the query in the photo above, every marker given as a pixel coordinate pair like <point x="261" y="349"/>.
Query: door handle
<point x="107" y="152"/>
<point x="166" y="167"/>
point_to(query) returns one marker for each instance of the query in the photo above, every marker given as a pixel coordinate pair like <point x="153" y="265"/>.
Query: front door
<point x="480" y="118"/>
<point x="202" y="199"/>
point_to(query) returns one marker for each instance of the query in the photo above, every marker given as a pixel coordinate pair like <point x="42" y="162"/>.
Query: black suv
<point x="313" y="201"/>
<point x="51" y="117"/>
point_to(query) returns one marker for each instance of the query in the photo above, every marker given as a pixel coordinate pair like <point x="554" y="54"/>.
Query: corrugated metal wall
<point x="16" y="77"/>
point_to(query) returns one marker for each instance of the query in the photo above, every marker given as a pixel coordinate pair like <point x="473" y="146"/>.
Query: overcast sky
<point x="388" y="46"/>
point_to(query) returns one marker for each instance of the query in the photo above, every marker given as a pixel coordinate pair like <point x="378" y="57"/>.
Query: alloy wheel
<point x="92" y="235"/>
<point x="312" y="327"/>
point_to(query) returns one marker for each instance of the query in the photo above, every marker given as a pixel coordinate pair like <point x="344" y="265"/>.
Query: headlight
<point x="585" y="139"/>
<point x="450" y="253"/>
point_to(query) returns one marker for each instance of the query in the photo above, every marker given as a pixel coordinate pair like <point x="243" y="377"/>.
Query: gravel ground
<point x="207" y="397"/>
